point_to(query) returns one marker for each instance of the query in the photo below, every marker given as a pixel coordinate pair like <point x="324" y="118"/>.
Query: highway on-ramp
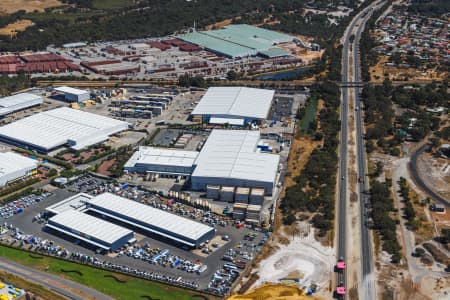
<point x="419" y="181"/>
<point x="54" y="283"/>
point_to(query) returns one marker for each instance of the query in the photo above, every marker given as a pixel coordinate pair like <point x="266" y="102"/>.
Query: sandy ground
<point x="274" y="292"/>
<point x="11" y="6"/>
<point x="437" y="173"/>
<point x="303" y="258"/>
<point x="13" y="28"/>
<point x="219" y="24"/>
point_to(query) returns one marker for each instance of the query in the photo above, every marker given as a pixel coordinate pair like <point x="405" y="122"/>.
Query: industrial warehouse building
<point x="52" y="129"/>
<point x="240" y="40"/>
<point x="171" y="227"/>
<point x="228" y="158"/>
<point x="72" y="94"/>
<point x="162" y="161"/>
<point x="15" y="166"/>
<point x="89" y="229"/>
<point x="18" y="102"/>
<point x="233" y="105"/>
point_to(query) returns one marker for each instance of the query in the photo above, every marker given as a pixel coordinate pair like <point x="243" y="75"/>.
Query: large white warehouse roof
<point x="70" y="90"/>
<point x="233" y="154"/>
<point x="238" y="102"/>
<point x="89" y="226"/>
<point x="54" y="128"/>
<point x="144" y="214"/>
<point x="17" y="102"/>
<point x="164" y="157"/>
<point x="14" y="165"/>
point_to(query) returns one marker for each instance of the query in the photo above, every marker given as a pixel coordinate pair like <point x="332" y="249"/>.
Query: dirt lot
<point x="13" y="28"/>
<point x="11" y="6"/>
<point x="272" y="292"/>
<point x="436" y="172"/>
<point x="103" y="168"/>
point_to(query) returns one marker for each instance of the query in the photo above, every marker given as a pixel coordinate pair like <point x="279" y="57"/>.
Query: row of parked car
<point x="174" y="280"/>
<point x="162" y="257"/>
<point x="84" y="183"/>
<point x="18" y="206"/>
<point x="49" y="247"/>
<point x="222" y="280"/>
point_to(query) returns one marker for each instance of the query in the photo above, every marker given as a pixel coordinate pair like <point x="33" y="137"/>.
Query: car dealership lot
<point x="141" y="255"/>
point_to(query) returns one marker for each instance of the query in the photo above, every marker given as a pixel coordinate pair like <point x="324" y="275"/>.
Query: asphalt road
<point x="418" y="180"/>
<point x="343" y="152"/>
<point x="52" y="282"/>
<point x="368" y="286"/>
<point x="366" y="255"/>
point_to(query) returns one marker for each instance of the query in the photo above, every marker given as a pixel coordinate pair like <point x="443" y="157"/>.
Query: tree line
<point x="382" y="216"/>
<point x="147" y="18"/>
<point x="314" y="190"/>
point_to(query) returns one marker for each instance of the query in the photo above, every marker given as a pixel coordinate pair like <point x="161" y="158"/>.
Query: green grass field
<point x="134" y="288"/>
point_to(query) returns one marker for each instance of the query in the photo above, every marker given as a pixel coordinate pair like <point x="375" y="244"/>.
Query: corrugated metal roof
<point x="75" y="202"/>
<point x="91" y="226"/>
<point x="71" y="90"/>
<point x="153" y="217"/>
<point x="232" y="154"/>
<point x="18" y="102"/>
<point x="217" y="45"/>
<point x="18" y="99"/>
<point x="231" y="102"/>
<point x="238" y="40"/>
<point x="160" y="156"/>
<point x="12" y="162"/>
<point x="55" y="127"/>
<point x="265" y="36"/>
<point x="274" y="52"/>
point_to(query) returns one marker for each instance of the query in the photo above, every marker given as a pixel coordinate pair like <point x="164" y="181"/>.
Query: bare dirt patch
<point x="11" y="6"/>
<point x="220" y="24"/>
<point x="304" y="257"/>
<point x="103" y="168"/>
<point x="436" y="172"/>
<point x="274" y="291"/>
<point x="13" y="28"/>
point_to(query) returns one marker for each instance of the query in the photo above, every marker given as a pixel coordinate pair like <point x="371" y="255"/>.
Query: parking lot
<point x="241" y="244"/>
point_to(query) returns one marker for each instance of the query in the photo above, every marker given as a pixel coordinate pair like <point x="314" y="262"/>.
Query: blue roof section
<point x="250" y="36"/>
<point x="217" y="45"/>
<point x="274" y="52"/>
<point x="239" y="40"/>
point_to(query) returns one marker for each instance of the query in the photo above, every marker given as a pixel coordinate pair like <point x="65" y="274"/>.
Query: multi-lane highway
<point x="367" y="286"/>
<point x="350" y="73"/>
